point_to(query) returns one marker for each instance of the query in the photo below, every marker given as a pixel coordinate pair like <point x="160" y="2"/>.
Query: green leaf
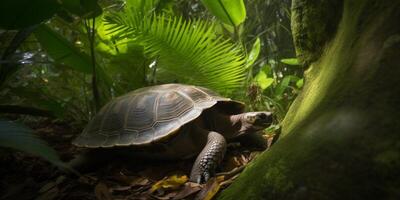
<point x="144" y="6"/>
<point x="280" y="89"/>
<point x="16" y="14"/>
<point x="64" y="53"/>
<point x="61" y="50"/>
<point x="231" y="12"/>
<point x="253" y="55"/>
<point x="37" y="98"/>
<point x="300" y="83"/>
<point x="266" y="69"/>
<point x="21" y="138"/>
<point x="291" y="61"/>
<point x="263" y="81"/>
<point x="86" y="8"/>
<point x="185" y="51"/>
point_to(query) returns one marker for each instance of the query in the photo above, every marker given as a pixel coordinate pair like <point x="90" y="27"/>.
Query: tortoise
<point x="173" y="121"/>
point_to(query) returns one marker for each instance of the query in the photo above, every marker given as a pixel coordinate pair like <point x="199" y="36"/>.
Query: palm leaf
<point x="61" y="50"/>
<point x="188" y="51"/>
<point x="21" y="138"/>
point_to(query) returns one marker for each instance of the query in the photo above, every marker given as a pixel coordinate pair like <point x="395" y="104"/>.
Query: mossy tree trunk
<point x="341" y="136"/>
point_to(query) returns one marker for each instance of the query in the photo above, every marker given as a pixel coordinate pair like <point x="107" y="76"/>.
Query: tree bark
<point x="341" y="136"/>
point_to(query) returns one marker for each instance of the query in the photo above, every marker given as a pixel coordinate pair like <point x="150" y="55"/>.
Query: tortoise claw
<point x="202" y="177"/>
<point x="209" y="158"/>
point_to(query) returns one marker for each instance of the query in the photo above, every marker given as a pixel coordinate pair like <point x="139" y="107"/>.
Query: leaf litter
<point x="158" y="181"/>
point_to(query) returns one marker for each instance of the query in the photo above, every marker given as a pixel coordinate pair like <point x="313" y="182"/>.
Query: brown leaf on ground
<point x="157" y="172"/>
<point x="253" y="155"/>
<point x="170" y="183"/>
<point x="131" y="181"/>
<point x="209" y="190"/>
<point x="230" y="174"/>
<point x="49" y="194"/>
<point x="102" y="192"/>
<point x="48" y="186"/>
<point x="270" y="139"/>
<point x="88" y="179"/>
<point x="231" y="163"/>
<point x="119" y="181"/>
<point x="188" y="190"/>
<point x="229" y="181"/>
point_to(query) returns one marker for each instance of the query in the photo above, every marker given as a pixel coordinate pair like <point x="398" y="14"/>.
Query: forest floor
<point x="26" y="177"/>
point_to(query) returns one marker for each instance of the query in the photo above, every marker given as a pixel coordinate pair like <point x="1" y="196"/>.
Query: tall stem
<point x="90" y="28"/>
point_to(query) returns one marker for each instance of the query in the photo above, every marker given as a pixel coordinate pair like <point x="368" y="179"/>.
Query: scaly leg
<point x="209" y="158"/>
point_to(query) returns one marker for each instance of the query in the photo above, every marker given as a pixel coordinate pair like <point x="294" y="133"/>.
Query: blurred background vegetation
<point x="65" y="59"/>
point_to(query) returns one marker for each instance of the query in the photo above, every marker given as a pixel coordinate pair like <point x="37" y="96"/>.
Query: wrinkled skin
<point x="228" y="128"/>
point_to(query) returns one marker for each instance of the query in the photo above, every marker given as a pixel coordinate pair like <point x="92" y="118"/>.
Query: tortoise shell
<point x="149" y="114"/>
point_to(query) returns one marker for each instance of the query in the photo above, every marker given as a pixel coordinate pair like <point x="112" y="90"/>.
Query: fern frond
<point x="189" y="51"/>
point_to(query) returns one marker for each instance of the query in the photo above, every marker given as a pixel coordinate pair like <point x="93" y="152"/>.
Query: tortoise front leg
<point x="209" y="158"/>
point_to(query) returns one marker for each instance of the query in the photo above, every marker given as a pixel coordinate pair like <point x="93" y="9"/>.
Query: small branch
<point x="90" y="29"/>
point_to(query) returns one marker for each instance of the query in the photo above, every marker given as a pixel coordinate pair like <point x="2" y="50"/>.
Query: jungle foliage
<point x="65" y="59"/>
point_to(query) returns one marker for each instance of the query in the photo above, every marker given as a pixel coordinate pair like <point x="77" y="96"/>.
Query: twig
<point x="90" y="29"/>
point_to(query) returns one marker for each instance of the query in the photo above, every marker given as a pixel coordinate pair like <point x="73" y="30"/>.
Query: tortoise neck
<point x="227" y="125"/>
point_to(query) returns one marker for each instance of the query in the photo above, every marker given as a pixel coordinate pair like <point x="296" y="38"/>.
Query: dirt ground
<point x="25" y="177"/>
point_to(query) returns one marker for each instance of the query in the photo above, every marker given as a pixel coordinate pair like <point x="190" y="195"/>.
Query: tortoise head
<point x="255" y="121"/>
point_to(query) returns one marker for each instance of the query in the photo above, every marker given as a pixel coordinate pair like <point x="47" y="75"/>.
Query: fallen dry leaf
<point x="122" y="181"/>
<point x="254" y="155"/>
<point x="102" y="192"/>
<point x="165" y="196"/>
<point x="49" y="194"/>
<point x="132" y="181"/>
<point x="172" y="182"/>
<point x="88" y="179"/>
<point x="48" y="186"/>
<point x="157" y="172"/>
<point x="229" y="181"/>
<point x="141" y="181"/>
<point x="231" y="163"/>
<point x="210" y="189"/>
<point x="188" y="189"/>
<point x="233" y="172"/>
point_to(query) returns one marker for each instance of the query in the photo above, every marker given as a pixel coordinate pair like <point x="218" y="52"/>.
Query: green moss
<point x="313" y="25"/>
<point x="387" y="157"/>
<point x="321" y="78"/>
<point x="339" y="139"/>
<point x="276" y="178"/>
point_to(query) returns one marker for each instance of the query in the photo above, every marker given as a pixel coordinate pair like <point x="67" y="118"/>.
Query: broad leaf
<point x="232" y="12"/>
<point x="291" y="61"/>
<point x="186" y="51"/>
<point x="280" y="89"/>
<point x="253" y="55"/>
<point x="300" y="83"/>
<point x="61" y="50"/>
<point x="18" y="137"/>
<point x="267" y="69"/>
<point x="263" y="81"/>
<point x="37" y="98"/>
<point x="16" y="14"/>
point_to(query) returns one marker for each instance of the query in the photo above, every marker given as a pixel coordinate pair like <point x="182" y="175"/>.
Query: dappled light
<point x="199" y="100"/>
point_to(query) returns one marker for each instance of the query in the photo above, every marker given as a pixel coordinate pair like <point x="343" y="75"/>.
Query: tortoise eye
<point x="251" y="118"/>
